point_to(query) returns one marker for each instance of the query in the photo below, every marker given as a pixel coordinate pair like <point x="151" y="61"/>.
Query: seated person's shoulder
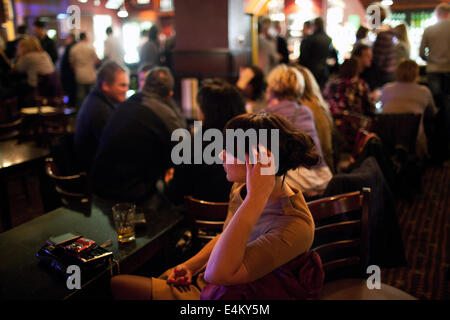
<point x="424" y="89"/>
<point x="389" y="87"/>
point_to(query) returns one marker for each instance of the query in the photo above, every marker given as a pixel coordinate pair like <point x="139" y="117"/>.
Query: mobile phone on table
<point x="64" y="238"/>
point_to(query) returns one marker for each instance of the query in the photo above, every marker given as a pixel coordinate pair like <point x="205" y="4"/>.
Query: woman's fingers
<point x="171" y="277"/>
<point x="264" y="155"/>
<point x="179" y="271"/>
<point x="180" y="276"/>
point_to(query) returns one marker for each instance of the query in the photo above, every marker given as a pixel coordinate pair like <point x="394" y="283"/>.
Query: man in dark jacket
<point x="314" y="51"/>
<point x="135" y="148"/>
<point x="67" y="73"/>
<point x="111" y="88"/>
<point x="282" y="46"/>
<point x="46" y="43"/>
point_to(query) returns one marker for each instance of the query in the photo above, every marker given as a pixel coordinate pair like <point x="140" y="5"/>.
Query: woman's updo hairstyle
<point x="295" y="147"/>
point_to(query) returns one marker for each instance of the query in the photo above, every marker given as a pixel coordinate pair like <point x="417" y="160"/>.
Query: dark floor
<point x="425" y="225"/>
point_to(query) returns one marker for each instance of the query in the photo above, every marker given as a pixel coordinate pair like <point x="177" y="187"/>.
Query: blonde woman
<point x="403" y="47"/>
<point x="286" y="86"/>
<point x="33" y="60"/>
<point x="312" y="98"/>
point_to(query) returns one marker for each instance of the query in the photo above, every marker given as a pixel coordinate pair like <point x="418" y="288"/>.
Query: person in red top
<point x="348" y="91"/>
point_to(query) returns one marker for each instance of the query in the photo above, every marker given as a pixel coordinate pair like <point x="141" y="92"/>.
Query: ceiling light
<point x="123" y="13"/>
<point x="113" y="4"/>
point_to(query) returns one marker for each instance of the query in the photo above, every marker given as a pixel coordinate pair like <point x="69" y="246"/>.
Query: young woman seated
<point x="268" y="222"/>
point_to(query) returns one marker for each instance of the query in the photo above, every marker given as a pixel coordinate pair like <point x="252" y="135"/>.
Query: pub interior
<point x="112" y="186"/>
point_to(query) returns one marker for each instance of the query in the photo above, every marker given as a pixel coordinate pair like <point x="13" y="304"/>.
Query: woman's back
<point x="311" y="181"/>
<point x="409" y="97"/>
<point x="301" y="116"/>
<point x="35" y="64"/>
<point x="403" y="97"/>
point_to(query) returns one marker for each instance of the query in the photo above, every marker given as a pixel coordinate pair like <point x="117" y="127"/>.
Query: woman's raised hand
<point x="260" y="176"/>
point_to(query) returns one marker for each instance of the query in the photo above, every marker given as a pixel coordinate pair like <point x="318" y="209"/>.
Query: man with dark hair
<point x="314" y="51"/>
<point x="111" y="88"/>
<point x="361" y="35"/>
<point x="267" y="46"/>
<point x="46" y="43"/>
<point x="282" y="46"/>
<point x="112" y="48"/>
<point x="149" y="52"/>
<point x="135" y="148"/>
<point x="67" y="73"/>
<point x="308" y="29"/>
<point x="143" y="72"/>
<point x="83" y="60"/>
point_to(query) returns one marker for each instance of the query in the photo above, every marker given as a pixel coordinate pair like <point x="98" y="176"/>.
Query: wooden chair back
<point x="397" y="130"/>
<point x="207" y="218"/>
<point x="73" y="189"/>
<point x="342" y="233"/>
<point x="10" y="119"/>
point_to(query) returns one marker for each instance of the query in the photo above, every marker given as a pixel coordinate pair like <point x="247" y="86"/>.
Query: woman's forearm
<point x="197" y="262"/>
<point x="228" y="253"/>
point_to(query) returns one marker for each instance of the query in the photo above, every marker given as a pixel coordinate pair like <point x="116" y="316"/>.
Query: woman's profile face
<point x="236" y="172"/>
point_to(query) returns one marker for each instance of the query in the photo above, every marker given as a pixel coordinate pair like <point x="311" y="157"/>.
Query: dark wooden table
<point x="14" y="154"/>
<point x="23" y="277"/>
<point x="17" y="159"/>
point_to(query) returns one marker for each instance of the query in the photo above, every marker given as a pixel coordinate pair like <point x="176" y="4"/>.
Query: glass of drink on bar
<point x="123" y="215"/>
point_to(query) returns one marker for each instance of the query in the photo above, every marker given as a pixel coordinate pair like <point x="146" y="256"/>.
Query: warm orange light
<point x="256" y="7"/>
<point x="147" y="15"/>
